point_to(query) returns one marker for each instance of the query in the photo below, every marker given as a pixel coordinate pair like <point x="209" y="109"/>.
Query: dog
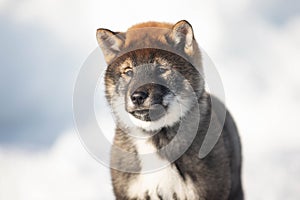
<point x="155" y="86"/>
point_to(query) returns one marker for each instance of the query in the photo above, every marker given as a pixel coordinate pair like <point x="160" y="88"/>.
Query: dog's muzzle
<point x="147" y="102"/>
<point x="154" y="113"/>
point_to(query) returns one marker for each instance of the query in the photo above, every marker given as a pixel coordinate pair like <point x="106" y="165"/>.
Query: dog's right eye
<point x="128" y="72"/>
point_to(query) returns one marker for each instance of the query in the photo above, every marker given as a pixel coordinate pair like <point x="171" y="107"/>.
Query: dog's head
<point x="151" y="79"/>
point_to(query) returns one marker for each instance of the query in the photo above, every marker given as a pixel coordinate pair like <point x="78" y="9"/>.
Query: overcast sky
<point x="255" y="46"/>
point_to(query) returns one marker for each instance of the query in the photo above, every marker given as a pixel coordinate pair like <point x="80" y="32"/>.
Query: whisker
<point x="185" y="106"/>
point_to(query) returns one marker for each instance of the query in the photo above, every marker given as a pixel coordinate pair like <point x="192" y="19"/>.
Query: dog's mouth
<point x="152" y="114"/>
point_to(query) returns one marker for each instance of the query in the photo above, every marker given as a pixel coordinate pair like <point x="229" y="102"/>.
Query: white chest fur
<point x="164" y="183"/>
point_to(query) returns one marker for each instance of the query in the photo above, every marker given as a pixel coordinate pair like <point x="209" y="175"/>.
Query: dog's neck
<point x="161" y="138"/>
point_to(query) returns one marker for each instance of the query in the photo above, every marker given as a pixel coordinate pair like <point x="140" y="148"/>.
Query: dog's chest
<point x="165" y="183"/>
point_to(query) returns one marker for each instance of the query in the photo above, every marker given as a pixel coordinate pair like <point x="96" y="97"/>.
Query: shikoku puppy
<point x="155" y="87"/>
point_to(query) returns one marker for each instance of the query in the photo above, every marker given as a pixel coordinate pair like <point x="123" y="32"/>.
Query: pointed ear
<point x="110" y="42"/>
<point x="183" y="36"/>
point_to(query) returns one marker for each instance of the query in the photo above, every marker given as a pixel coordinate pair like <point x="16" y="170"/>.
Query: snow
<point x="66" y="171"/>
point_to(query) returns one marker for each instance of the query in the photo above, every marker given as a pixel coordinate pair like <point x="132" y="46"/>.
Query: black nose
<point x="139" y="97"/>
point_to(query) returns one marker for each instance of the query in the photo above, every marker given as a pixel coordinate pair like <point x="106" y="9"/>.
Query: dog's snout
<point x="138" y="97"/>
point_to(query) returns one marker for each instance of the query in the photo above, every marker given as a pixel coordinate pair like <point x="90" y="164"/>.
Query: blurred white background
<point x="255" y="46"/>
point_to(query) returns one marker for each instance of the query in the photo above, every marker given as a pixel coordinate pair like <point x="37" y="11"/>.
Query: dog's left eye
<point x="161" y="70"/>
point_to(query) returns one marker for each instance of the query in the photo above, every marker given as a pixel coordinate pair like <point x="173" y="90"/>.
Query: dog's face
<point x="150" y="88"/>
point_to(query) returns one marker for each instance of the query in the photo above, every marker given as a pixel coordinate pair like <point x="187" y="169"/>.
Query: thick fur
<point x="142" y="50"/>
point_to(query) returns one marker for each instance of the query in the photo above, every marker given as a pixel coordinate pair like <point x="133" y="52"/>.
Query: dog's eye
<point x="161" y="70"/>
<point x="128" y="72"/>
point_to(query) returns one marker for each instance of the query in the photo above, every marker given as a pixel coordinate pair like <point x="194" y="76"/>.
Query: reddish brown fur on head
<point x="177" y="38"/>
